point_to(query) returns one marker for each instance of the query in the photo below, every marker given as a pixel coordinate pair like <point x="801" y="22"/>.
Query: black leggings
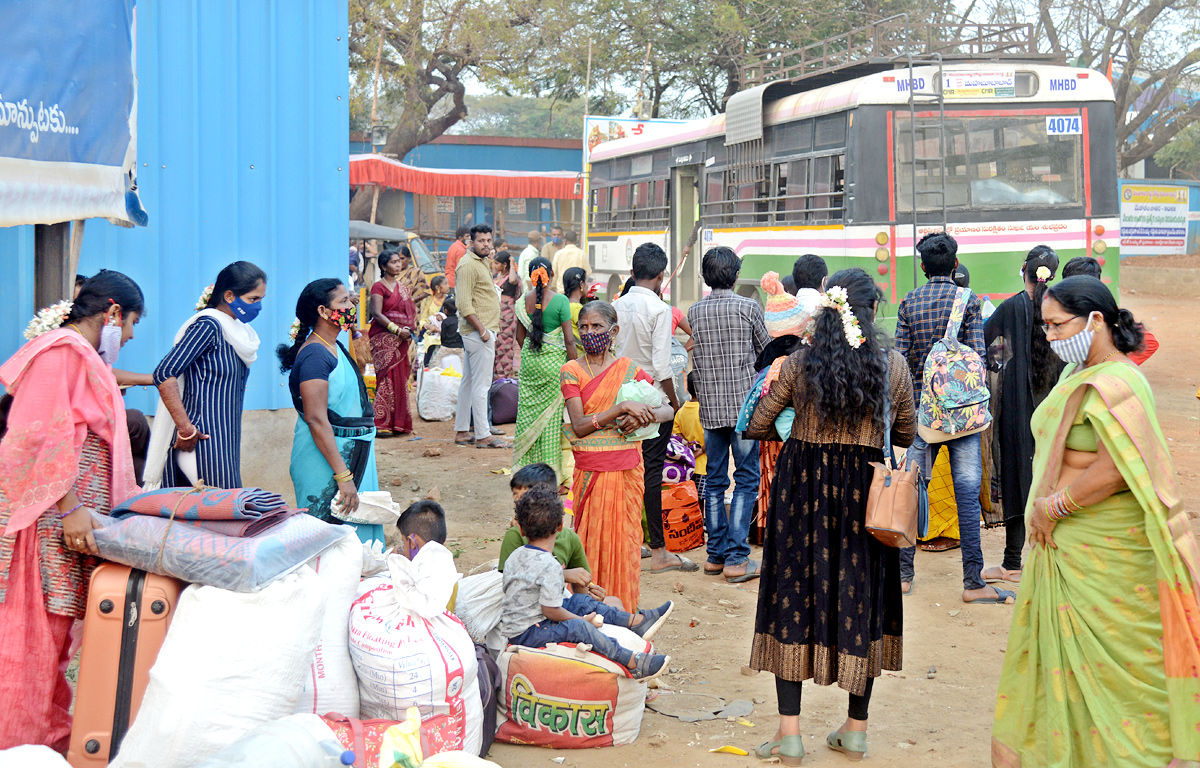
<point x="788" y="692"/>
<point x="1014" y="542"/>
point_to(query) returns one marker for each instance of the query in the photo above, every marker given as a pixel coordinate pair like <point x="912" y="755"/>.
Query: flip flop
<point x="684" y="564"/>
<point x="717" y="572"/>
<point x="752" y="572"/>
<point x="494" y="444"/>
<point x="465" y="442"/>
<point x="1002" y="597"/>
<point x="1004" y="573"/>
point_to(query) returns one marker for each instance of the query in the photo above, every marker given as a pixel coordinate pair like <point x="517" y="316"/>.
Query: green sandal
<point x="852" y="744"/>
<point x="791" y="750"/>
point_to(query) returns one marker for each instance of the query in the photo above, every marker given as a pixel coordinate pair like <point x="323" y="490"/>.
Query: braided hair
<point x="318" y="293"/>
<point x="537" y="329"/>
<point x="1046" y="365"/>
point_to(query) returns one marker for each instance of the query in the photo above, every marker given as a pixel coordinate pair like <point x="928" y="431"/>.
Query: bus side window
<point x="797" y="190"/>
<point x="821" y="186"/>
<point x="714" y="205"/>
<point x="837" y="201"/>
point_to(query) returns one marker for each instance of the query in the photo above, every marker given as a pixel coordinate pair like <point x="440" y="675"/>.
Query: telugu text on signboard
<point x="1154" y="220"/>
<point x="991" y="84"/>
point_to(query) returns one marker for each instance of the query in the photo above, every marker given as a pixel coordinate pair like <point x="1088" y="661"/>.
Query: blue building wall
<point x="496" y="158"/>
<point x="242" y="135"/>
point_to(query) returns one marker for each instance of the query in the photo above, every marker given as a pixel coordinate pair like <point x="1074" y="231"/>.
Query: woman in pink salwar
<point x="64" y="455"/>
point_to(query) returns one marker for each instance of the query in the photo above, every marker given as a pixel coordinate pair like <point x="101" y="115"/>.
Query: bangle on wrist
<point x="393" y="328"/>
<point x="195" y="430"/>
<point x="70" y="511"/>
<point x="344" y="476"/>
<point x="595" y="423"/>
<point x="1070" y="501"/>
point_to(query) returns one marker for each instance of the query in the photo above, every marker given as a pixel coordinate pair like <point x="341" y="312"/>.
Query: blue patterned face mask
<point x="1076" y="348"/>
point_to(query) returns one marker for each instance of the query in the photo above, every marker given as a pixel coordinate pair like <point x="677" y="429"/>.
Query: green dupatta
<point x="1046" y="667"/>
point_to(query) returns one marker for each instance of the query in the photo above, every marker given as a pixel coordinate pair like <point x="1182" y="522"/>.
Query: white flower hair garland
<point x="836" y="299"/>
<point x="205" y="295"/>
<point x="48" y="319"/>
<point x="294" y="331"/>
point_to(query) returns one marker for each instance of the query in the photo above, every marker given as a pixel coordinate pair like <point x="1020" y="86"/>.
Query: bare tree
<point x="1149" y="46"/>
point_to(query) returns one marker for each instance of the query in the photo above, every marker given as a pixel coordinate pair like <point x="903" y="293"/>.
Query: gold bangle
<point x="345" y="476"/>
<point x="1067" y="493"/>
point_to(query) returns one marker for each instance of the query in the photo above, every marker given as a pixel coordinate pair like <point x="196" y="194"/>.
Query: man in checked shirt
<point x="920" y="321"/>
<point x="729" y="333"/>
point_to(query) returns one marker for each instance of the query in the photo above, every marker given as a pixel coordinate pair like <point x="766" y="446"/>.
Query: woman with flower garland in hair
<point x="1028" y="371"/>
<point x="64" y="457"/>
<point x="333" y="449"/>
<point x="197" y="432"/>
<point x="544" y="331"/>
<point x="829" y="603"/>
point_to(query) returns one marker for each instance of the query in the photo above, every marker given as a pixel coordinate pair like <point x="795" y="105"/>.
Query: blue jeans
<point x="966" y="470"/>
<point x="729" y="531"/>
<point x="579" y="631"/>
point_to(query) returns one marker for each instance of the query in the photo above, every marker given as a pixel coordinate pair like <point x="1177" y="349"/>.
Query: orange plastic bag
<point x="683" y="517"/>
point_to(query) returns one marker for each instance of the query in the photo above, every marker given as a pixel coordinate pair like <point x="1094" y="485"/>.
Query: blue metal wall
<point x="242" y="135"/>
<point x="495" y="158"/>
<point x="16" y="265"/>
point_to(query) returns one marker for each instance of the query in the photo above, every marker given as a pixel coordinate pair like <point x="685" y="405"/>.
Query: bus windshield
<point x="1006" y="161"/>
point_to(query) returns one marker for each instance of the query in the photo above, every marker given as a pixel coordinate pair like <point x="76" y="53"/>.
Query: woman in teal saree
<point x="333" y="447"/>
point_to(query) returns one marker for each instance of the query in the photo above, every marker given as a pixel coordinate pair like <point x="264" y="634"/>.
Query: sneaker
<point x="647" y="666"/>
<point x="652" y="621"/>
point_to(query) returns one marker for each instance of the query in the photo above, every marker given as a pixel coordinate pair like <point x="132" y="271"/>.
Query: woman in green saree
<point x="1103" y="660"/>
<point x="547" y="343"/>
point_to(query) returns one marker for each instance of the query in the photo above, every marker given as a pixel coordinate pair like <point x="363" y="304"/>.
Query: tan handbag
<point x="898" y="501"/>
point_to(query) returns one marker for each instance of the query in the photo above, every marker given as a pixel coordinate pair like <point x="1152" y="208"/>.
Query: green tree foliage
<point x="1181" y="156"/>
<point x="523" y="116"/>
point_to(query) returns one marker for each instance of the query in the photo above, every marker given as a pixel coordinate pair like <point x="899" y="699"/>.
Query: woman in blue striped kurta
<point x="202" y="382"/>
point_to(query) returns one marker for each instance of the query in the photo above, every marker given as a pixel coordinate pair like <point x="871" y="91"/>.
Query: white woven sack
<point x="231" y="661"/>
<point x="409" y="651"/>
<point x="480" y="598"/>
<point x="374" y="508"/>
<point x="330" y="685"/>
<point x="437" y="395"/>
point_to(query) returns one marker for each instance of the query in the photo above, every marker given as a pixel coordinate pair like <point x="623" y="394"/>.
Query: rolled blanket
<point x="243" y="528"/>
<point x="209" y="504"/>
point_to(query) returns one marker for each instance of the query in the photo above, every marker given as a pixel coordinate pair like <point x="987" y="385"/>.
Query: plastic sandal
<point x="1002" y="598"/>
<point x="791" y="750"/>
<point x="852" y="744"/>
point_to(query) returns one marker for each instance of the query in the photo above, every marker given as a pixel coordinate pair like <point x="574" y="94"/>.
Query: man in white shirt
<point x="531" y="252"/>
<point x="809" y="273"/>
<point x="644" y="336"/>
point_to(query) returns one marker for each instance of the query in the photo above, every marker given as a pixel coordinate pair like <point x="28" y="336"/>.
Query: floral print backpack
<point x="954" y="396"/>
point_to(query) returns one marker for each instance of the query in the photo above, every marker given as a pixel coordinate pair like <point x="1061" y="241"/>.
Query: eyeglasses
<point x="1048" y="326"/>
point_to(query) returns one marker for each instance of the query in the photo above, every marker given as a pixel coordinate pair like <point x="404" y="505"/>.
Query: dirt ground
<point x="937" y="711"/>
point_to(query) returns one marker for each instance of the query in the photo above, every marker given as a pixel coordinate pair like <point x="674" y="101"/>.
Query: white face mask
<point x="110" y="344"/>
<point x="1076" y="348"/>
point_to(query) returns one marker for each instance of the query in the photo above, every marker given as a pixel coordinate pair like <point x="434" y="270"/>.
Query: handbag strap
<point x="887" y="411"/>
<point x="360" y="743"/>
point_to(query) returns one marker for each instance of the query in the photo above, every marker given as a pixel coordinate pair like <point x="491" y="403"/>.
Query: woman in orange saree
<point x="608" y="481"/>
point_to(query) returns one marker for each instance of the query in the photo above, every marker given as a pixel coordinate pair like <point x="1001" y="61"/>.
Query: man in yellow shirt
<point x="570" y="255"/>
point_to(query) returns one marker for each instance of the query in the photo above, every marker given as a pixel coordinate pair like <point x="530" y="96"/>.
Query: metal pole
<point x="587" y="86"/>
<point x="942" y="134"/>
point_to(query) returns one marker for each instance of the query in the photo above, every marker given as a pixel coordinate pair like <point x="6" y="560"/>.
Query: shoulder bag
<point x="898" y="501"/>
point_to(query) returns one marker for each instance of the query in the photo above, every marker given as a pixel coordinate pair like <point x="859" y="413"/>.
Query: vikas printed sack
<point x="563" y="697"/>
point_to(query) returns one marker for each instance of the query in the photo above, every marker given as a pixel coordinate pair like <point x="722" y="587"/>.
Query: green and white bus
<point x="1004" y="155"/>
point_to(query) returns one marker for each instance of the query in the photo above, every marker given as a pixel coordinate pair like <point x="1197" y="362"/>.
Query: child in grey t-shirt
<point x="535" y="612"/>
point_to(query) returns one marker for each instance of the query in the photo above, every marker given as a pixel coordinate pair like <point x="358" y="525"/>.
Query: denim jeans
<point x="729" y="530"/>
<point x="579" y="631"/>
<point x="966" y="470"/>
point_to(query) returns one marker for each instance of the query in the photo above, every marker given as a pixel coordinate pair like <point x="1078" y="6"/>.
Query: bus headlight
<point x="881" y="238"/>
<point x="882" y="254"/>
<point x="1099" y="247"/>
